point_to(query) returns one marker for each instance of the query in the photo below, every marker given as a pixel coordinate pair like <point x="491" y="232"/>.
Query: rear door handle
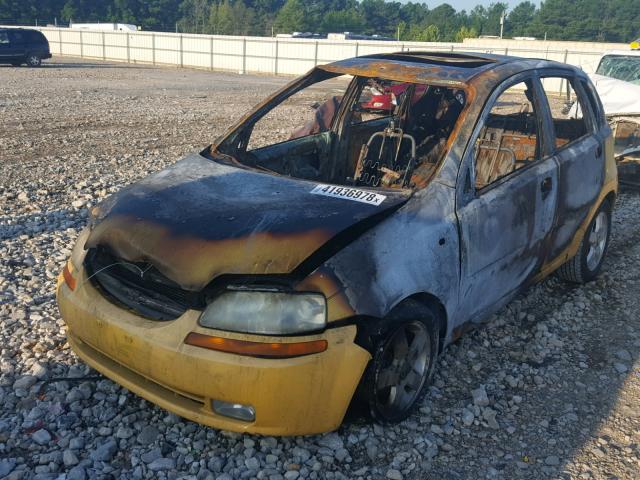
<point x="546" y="185"/>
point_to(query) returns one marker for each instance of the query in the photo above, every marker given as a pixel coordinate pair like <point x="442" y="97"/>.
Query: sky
<point x="466" y="4"/>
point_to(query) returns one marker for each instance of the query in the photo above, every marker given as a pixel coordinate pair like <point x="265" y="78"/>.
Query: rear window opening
<point x="362" y="131"/>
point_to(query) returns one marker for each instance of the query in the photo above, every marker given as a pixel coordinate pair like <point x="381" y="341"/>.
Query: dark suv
<point x="20" y="45"/>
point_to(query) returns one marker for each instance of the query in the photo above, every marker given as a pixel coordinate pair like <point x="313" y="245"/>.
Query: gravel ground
<point x="549" y="388"/>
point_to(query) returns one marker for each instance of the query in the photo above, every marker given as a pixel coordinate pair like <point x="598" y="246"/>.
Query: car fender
<point x="414" y="251"/>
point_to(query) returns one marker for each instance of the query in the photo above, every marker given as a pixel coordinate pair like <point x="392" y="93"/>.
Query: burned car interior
<point x="376" y="133"/>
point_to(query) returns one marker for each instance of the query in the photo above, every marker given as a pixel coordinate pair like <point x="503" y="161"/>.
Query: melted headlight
<point x="266" y="312"/>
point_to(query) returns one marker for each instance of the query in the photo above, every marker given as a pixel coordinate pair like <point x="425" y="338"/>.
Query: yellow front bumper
<point x="294" y="396"/>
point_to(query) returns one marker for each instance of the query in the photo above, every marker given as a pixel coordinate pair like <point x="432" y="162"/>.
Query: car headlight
<point x="266" y="312"/>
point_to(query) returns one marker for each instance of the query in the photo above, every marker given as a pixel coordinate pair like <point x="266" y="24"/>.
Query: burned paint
<point x="197" y="220"/>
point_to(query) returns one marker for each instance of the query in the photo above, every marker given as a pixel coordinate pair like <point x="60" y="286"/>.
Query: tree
<point x="518" y="23"/>
<point x="465" y="32"/>
<point x="342" y="21"/>
<point x="221" y="19"/>
<point x="604" y="20"/>
<point x="291" y="17"/>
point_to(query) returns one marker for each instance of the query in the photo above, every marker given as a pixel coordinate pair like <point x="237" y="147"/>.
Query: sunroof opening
<point x="438" y="58"/>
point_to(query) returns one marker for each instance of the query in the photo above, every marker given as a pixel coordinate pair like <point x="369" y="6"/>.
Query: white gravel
<point x="549" y="388"/>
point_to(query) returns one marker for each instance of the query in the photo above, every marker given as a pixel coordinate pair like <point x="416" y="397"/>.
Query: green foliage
<point x="590" y="20"/>
<point x="342" y="21"/>
<point x="465" y="32"/>
<point x="291" y="17"/>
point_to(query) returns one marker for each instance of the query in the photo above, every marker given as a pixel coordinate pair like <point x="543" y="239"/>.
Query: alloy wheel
<point x="404" y="368"/>
<point x="597" y="240"/>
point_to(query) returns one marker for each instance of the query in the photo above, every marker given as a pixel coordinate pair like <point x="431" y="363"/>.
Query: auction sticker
<point x="349" y="193"/>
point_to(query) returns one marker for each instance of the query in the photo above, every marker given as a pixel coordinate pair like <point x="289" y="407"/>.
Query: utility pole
<point x="502" y="23"/>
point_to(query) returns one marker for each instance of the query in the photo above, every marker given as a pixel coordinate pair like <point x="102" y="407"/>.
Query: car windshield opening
<point x="352" y="131"/>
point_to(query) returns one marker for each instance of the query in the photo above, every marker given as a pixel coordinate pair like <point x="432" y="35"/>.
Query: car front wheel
<point x="586" y="264"/>
<point x="34" y="61"/>
<point x="403" y="362"/>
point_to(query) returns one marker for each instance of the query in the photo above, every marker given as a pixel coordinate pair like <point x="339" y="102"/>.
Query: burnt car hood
<point x="200" y="218"/>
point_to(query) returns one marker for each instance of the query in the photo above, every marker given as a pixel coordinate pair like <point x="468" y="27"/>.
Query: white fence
<point x="287" y="56"/>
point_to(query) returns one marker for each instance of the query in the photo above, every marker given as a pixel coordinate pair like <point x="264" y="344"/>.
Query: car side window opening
<point x="391" y="131"/>
<point x="509" y="138"/>
<point x="4" y="38"/>
<point x="567" y="110"/>
<point x="16" y="37"/>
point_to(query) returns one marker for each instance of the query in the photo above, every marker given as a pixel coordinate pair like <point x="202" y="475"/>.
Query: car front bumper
<point x="291" y="396"/>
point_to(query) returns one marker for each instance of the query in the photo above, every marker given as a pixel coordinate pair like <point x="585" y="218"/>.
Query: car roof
<point x="630" y="53"/>
<point x="18" y="29"/>
<point x="440" y="68"/>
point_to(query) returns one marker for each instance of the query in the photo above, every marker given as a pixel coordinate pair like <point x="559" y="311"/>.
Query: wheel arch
<point x="433" y="303"/>
<point x="611" y="197"/>
<point x="408" y="307"/>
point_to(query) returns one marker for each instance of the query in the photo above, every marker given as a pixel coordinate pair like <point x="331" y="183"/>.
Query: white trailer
<point x="108" y="27"/>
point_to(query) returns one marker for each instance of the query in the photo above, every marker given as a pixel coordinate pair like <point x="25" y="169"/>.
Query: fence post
<point x="244" y="56"/>
<point x="128" y="52"/>
<point x="506" y="51"/>
<point x="181" y="53"/>
<point x="357" y="48"/>
<point x="562" y="80"/>
<point x="275" y="62"/>
<point x="104" y="47"/>
<point x="81" y="45"/>
<point x="59" y="42"/>
<point x="211" y="53"/>
<point x="153" y="48"/>
<point x="315" y="55"/>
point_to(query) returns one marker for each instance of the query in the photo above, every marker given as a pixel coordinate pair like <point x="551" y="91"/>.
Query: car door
<point x="578" y="145"/>
<point x="507" y="197"/>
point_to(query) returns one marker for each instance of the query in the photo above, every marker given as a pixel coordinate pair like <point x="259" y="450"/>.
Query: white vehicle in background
<point x="106" y="27"/>
<point x="617" y="81"/>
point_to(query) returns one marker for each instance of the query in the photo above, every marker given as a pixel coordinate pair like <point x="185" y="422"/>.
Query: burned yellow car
<point x="337" y="238"/>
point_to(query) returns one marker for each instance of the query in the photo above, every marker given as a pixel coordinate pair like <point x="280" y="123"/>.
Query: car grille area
<point x="138" y="286"/>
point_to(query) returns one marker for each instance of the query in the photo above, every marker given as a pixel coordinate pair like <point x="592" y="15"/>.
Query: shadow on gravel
<point x="43" y="222"/>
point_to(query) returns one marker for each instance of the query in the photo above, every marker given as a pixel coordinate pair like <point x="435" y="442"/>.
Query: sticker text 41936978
<point x="348" y="193"/>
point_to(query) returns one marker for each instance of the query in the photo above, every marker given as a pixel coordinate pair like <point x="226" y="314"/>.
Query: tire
<point x="404" y="359"/>
<point x="33" y="60"/>
<point x="587" y="262"/>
